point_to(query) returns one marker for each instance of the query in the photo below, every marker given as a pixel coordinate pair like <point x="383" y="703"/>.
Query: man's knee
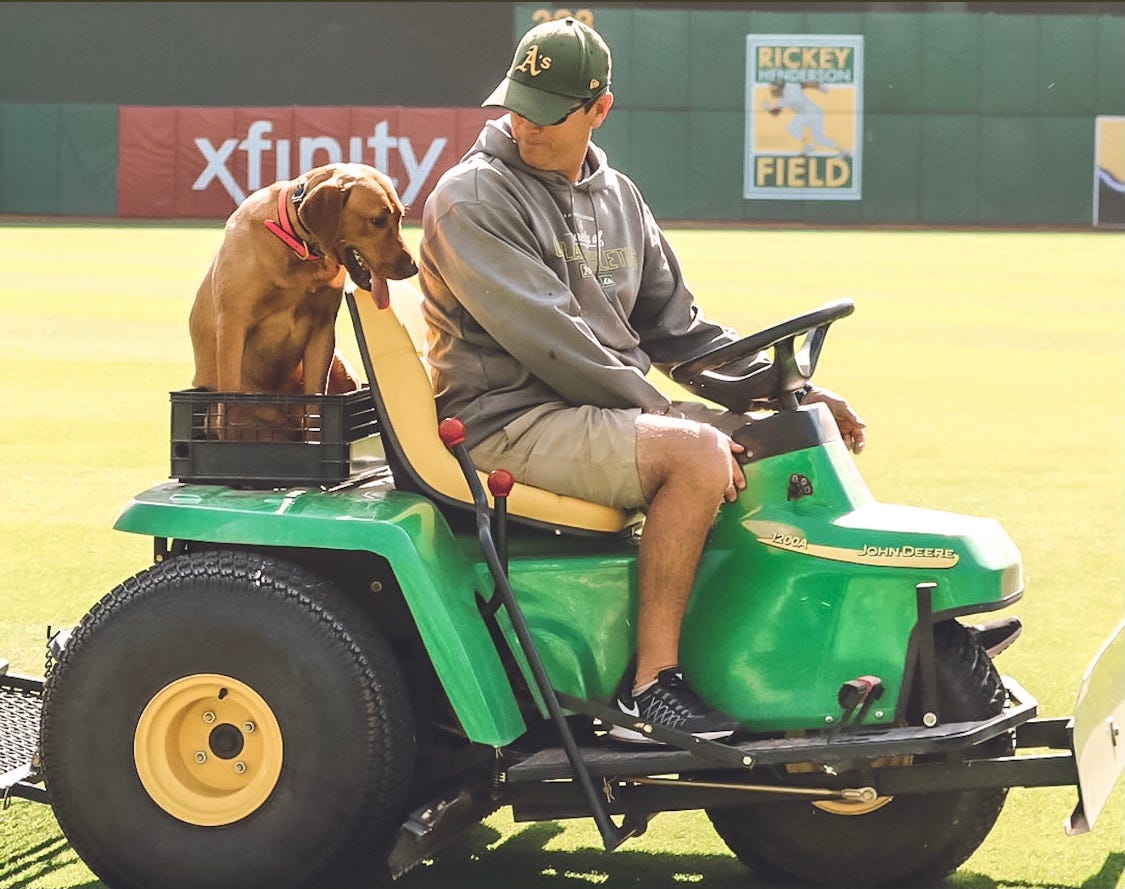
<point x="675" y="450"/>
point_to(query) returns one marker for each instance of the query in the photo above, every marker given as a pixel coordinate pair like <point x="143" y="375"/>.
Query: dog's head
<point x="355" y="214"/>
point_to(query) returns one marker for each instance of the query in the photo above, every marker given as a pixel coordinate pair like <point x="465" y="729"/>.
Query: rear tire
<point x="227" y="720"/>
<point x="908" y="838"/>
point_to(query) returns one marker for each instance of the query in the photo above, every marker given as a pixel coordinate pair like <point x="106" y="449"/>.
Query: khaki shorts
<point x="585" y="452"/>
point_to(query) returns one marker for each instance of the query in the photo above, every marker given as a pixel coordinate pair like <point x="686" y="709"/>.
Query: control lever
<point x="855" y="698"/>
<point x="452" y="432"/>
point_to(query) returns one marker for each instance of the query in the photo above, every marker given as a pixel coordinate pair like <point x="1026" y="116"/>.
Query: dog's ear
<point x="320" y="210"/>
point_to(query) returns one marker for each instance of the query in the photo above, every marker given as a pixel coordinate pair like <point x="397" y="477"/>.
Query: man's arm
<point x="499" y="278"/>
<point x="672" y="328"/>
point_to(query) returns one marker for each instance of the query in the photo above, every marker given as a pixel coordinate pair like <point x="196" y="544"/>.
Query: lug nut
<point x="248" y="727"/>
<point x="201" y="757"/>
<point x="208" y="717"/>
<point x="239" y="768"/>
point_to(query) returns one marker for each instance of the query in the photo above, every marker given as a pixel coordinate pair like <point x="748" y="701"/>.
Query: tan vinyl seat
<point x="392" y="346"/>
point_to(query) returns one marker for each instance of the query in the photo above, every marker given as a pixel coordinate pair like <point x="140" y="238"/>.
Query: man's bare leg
<point x="687" y="469"/>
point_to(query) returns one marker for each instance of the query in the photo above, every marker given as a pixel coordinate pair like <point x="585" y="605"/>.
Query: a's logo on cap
<point x="595" y="83"/>
<point x="533" y="63"/>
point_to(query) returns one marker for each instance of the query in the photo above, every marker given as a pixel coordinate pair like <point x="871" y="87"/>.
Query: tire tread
<point x="386" y="701"/>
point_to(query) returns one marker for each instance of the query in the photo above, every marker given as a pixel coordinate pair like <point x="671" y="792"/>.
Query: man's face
<point x="559" y="148"/>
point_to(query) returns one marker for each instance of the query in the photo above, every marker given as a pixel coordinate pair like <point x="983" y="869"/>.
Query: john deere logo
<point x="533" y="63"/>
<point x="904" y="555"/>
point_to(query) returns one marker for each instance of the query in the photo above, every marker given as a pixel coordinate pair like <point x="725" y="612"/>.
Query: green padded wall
<point x="969" y="118"/>
<point x="58" y="159"/>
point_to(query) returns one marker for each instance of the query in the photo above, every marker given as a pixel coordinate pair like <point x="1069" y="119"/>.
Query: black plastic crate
<point x="269" y="440"/>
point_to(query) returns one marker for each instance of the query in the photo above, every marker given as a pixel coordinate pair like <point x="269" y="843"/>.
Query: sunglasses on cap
<point x="582" y="106"/>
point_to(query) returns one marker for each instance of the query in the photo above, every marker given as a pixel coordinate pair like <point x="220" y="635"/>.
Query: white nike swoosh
<point x="636" y="711"/>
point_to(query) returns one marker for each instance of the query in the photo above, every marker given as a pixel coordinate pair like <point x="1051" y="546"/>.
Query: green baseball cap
<point x="557" y="66"/>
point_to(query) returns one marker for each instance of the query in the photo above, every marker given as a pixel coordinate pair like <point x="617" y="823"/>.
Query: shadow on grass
<point x="31" y="859"/>
<point x="1110" y="874"/>
<point x="524" y="862"/>
<point x="27" y="867"/>
<point x="1109" y="877"/>
<point x="484" y="859"/>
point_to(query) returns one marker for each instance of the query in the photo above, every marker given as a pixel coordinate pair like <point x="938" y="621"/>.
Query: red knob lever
<point x="500" y="482"/>
<point x="856" y="691"/>
<point x="452" y="432"/>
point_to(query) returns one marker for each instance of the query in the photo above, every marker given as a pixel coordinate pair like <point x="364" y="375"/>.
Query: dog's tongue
<point x="381" y="292"/>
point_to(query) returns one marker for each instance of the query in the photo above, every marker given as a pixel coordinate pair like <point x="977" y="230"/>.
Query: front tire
<point x="903" y="839"/>
<point x="227" y="720"/>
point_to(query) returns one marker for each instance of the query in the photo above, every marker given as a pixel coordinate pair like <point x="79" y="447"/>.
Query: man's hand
<point x="851" y="426"/>
<point x="737" y="478"/>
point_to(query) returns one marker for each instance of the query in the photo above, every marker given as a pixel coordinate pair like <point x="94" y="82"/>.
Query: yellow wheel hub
<point x="208" y="749"/>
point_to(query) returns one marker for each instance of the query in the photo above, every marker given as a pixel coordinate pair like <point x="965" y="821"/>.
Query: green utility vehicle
<point x="352" y="646"/>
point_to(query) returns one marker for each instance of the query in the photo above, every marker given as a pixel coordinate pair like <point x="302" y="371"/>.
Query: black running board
<point x="623" y="760"/>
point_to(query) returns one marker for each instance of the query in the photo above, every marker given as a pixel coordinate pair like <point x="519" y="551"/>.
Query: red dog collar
<point x="283" y="228"/>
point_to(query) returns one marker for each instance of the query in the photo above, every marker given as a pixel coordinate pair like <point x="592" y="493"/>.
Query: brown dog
<point x="264" y="318"/>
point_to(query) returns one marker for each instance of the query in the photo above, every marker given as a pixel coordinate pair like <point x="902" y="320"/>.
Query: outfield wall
<point x="959" y="118"/>
<point x="968" y="119"/>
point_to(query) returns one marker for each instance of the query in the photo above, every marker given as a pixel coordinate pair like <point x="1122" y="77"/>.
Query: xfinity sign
<point x="312" y="151"/>
<point x="200" y="162"/>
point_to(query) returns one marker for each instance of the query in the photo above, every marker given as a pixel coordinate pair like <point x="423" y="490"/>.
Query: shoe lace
<point x="671" y="701"/>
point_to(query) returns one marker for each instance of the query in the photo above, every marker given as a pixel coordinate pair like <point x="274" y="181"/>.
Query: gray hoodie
<point x="539" y="290"/>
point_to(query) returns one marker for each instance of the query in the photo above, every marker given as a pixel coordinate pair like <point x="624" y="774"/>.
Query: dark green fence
<point x="58" y="160"/>
<point x="969" y="118"/>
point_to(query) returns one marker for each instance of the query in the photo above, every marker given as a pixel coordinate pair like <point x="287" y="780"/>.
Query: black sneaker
<point x="671" y="703"/>
<point x="994" y="637"/>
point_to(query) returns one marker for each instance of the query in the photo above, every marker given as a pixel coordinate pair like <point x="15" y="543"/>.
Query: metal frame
<point x="863" y="743"/>
<point x="629" y="789"/>
<point x="22" y="781"/>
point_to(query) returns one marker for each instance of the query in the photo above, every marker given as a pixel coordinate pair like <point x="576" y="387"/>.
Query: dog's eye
<point x="379" y="221"/>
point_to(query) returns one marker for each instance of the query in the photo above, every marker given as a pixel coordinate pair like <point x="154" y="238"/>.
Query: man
<point x="550" y="291"/>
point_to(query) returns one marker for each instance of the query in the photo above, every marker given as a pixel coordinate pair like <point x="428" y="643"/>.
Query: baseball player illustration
<point x="807" y="114"/>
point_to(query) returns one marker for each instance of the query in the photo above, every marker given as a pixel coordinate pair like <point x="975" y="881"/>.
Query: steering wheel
<point x="775" y="380"/>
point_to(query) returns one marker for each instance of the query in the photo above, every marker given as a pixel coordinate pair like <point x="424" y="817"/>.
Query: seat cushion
<point x="401" y="385"/>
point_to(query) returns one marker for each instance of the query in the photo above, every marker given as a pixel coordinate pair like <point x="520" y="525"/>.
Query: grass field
<point x="988" y="366"/>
